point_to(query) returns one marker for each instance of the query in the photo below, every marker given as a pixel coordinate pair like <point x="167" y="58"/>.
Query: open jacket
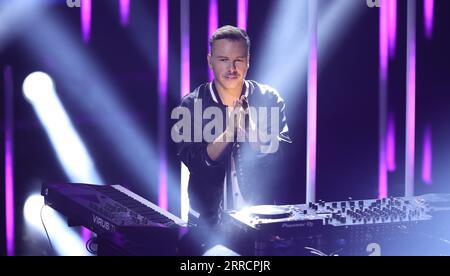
<point x="256" y="173"/>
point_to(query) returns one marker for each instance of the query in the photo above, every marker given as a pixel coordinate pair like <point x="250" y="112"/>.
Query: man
<point x="231" y="169"/>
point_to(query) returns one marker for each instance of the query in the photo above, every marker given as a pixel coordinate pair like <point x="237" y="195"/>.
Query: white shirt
<point x="238" y="200"/>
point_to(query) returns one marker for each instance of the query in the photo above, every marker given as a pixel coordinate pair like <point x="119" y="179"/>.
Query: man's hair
<point x="231" y="33"/>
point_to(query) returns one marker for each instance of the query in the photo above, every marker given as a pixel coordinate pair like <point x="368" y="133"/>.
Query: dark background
<point x="347" y="154"/>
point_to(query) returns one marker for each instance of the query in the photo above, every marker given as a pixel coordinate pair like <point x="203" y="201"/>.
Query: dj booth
<point x="126" y="224"/>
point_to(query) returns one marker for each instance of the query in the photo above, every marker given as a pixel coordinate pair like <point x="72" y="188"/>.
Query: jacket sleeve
<point x="276" y="149"/>
<point x="193" y="153"/>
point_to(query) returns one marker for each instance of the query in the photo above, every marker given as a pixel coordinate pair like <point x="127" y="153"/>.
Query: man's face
<point x="230" y="62"/>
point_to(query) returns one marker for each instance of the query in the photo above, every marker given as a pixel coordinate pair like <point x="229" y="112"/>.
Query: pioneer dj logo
<point x="294" y="225"/>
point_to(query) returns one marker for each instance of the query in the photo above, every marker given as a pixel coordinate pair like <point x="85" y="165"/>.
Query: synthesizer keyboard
<point x="124" y="222"/>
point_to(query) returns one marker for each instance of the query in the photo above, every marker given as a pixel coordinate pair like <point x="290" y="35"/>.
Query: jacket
<point x="256" y="172"/>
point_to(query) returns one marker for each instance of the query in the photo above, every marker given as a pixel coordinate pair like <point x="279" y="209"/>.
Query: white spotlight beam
<point x="284" y="61"/>
<point x="99" y="98"/>
<point x="72" y="154"/>
<point x="39" y="90"/>
<point x="66" y="241"/>
<point x="16" y="16"/>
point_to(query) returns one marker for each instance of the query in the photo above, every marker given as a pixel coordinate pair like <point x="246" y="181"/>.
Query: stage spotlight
<point x="66" y="241"/>
<point x="37" y="85"/>
<point x="73" y="156"/>
<point x="137" y="151"/>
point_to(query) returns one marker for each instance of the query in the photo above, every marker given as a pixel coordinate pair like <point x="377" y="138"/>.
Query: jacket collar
<point x="215" y="95"/>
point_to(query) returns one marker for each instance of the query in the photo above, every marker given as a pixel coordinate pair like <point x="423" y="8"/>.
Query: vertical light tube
<point x="392" y="27"/>
<point x="242" y="14"/>
<point x="163" y="61"/>
<point x="312" y="105"/>
<point x="213" y="25"/>
<point x="124" y="11"/>
<point x="185" y="88"/>
<point x="9" y="160"/>
<point x="383" y="88"/>
<point x="86" y="19"/>
<point x="427" y="158"/>
<point x="390" y="144"/>
<point x="428" y="14"/>
<point x="410" y="99"/>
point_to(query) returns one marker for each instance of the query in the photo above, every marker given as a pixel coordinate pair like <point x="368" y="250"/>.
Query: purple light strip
<point x="185" y="48"/>
<point x="392" y="27"/>
<point x="242" y="13"/>
<point x="428" y="14"/>
<point x="427" y="160"/>
<point x="163" y="58"/>
<point x="384" y="38"/>
<point x="391" y="164"/>
<point x="86" y="18"/>
<point x="213" y="25"/>
<point x="124" y="10"/>
<point x="312" y="105"/>
<point x="410" y="99"/>
<point x="185" y="88"/>
<point x="9" y="160"/>
<point x="384" y="59"/>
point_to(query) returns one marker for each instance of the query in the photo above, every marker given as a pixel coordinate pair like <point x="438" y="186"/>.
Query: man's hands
<point x="236" y="130"/>
<point x="237" y="126"/>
